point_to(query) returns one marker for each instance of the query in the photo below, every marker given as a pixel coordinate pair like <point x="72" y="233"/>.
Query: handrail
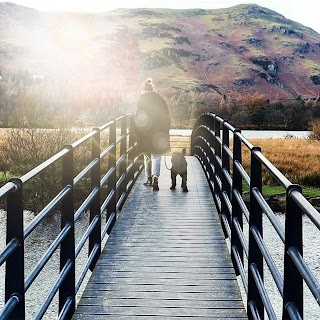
<point x="210" y="144"/>
<point x="123" y="166"/>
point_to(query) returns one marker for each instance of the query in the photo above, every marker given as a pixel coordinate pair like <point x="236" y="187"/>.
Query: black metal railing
<point x="123" y="166"/>
<point x="226" y="175"/>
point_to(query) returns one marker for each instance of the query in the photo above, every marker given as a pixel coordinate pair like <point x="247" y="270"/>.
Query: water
<point x="255" y="134"/>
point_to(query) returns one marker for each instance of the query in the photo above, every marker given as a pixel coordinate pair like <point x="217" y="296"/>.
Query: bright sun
<point x="72" y="33"/>
<point x="75" y="35"/>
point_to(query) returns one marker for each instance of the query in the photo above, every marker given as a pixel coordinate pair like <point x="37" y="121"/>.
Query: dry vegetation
<point x="297" y="159"/>
<point x="315" y="127"/>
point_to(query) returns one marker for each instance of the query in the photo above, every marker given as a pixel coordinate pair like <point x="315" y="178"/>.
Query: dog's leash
<point x="165" y="163"/>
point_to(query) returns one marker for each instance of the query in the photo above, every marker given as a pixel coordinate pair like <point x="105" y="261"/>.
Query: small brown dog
<point x="179" y="167"/>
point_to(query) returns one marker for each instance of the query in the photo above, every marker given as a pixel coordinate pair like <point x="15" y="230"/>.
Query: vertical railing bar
<point x="292" y="280"/>
<point x="95" y="236"/>
<point x="111" y="208"/>
<point x="131" y="155"/>
<point x="255" y="220"/>
<point x="218" y="171"/>
<point x="14" y="276"/>
<point x="225" y="168"/>
<point x="67" y="248"/>
<point x="123" y="164"/>
<point x="236" y="208"/>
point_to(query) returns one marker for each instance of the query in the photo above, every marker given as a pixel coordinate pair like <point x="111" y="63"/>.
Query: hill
<point x="238" y="50"/>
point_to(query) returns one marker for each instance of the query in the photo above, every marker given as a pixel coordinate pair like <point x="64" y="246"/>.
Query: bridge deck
<point x="166" y="258"/>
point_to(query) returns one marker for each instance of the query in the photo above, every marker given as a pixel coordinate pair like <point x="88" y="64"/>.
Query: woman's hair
<point x="147" y="85"/>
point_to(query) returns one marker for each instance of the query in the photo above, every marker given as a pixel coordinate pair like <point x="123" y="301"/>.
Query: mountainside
<point x="238" y="50"/>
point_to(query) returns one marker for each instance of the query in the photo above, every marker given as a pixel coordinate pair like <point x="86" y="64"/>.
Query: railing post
<point x="210" y="121"/>
<point x="123" y="150"/>
<point x="217" y="128"/>
<point x="209" y="140"/>
<point x="14" y="282"/>
<point x="236" y="209"/>
<point x="209" y="148"/>
<point x="255" y="220"/>
<point x="131" y="155"/>
<point x="292" y="280"/>
<point x="225" y="170"/>
<point x="217" y="151"/>
<point x="221" y="206"/>
<point x="95" y="237"/>
<point x="111" y="208"/>
<point x="67" y="249"/>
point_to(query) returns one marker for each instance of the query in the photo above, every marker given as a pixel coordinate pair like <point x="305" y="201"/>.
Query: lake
<point x="255" y="134"/>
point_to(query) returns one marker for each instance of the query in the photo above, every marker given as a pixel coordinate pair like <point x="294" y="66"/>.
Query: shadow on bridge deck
<point x="166" y="258"/>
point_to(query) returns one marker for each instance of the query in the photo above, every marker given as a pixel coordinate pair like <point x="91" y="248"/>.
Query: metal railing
<point x="123" y="167"/>
<point x="226" y="175"/>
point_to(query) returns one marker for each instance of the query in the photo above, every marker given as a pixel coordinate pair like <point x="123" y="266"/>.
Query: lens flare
<point x="72" y="33"/>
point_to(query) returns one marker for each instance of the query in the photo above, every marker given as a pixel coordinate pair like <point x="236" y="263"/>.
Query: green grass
<point x="4" y="177"/>
<point x="277" y="190"/>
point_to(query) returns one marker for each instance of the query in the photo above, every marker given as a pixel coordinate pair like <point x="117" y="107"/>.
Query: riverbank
<point x="277" y="202"/>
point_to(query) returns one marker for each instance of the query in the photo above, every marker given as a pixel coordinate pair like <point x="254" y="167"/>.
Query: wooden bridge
<point x="169" y="254"/>
<point x="166" y="258"/>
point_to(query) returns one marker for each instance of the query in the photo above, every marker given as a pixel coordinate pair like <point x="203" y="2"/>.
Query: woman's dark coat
<point x="152" y="124"/>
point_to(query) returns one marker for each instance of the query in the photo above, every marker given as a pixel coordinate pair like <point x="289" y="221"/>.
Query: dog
<point x="179" y="167"/>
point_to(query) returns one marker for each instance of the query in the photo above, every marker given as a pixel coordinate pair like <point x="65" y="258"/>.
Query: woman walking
<point x="152" y="123"/>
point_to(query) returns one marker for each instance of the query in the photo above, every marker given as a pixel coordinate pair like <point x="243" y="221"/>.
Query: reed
<point x="297" y="159"/>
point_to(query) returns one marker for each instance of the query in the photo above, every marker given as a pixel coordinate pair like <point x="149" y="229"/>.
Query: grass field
<point x="297" y="159"/>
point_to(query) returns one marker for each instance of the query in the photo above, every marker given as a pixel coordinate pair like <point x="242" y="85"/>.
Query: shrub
<point x="315" y="127"/>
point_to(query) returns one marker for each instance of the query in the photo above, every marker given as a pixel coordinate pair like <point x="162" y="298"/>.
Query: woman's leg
<point x="147" y="168"/>
<point x="156" y="163"/>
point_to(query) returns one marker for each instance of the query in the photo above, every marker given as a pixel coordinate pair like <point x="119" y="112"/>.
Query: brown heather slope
<point x="238" y="50"/>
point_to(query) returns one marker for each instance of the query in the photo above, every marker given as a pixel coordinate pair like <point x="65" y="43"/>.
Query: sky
<point x="302" y="11"/>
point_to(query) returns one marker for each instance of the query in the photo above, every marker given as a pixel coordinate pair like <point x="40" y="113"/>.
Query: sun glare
<point x="72" y="34"/>
<point x="75" y="35"/>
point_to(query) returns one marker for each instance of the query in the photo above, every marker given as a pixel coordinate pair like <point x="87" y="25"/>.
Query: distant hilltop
<point x="238" y="50"/>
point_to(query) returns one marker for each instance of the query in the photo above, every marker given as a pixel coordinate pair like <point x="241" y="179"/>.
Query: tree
<point x="258" y="115"/>
<point x="29" y="143"/>
<point x="315" y="128"/>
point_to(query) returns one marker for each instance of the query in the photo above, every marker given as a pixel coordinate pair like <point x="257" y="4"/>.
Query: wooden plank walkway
<point x="166" y="258"/>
